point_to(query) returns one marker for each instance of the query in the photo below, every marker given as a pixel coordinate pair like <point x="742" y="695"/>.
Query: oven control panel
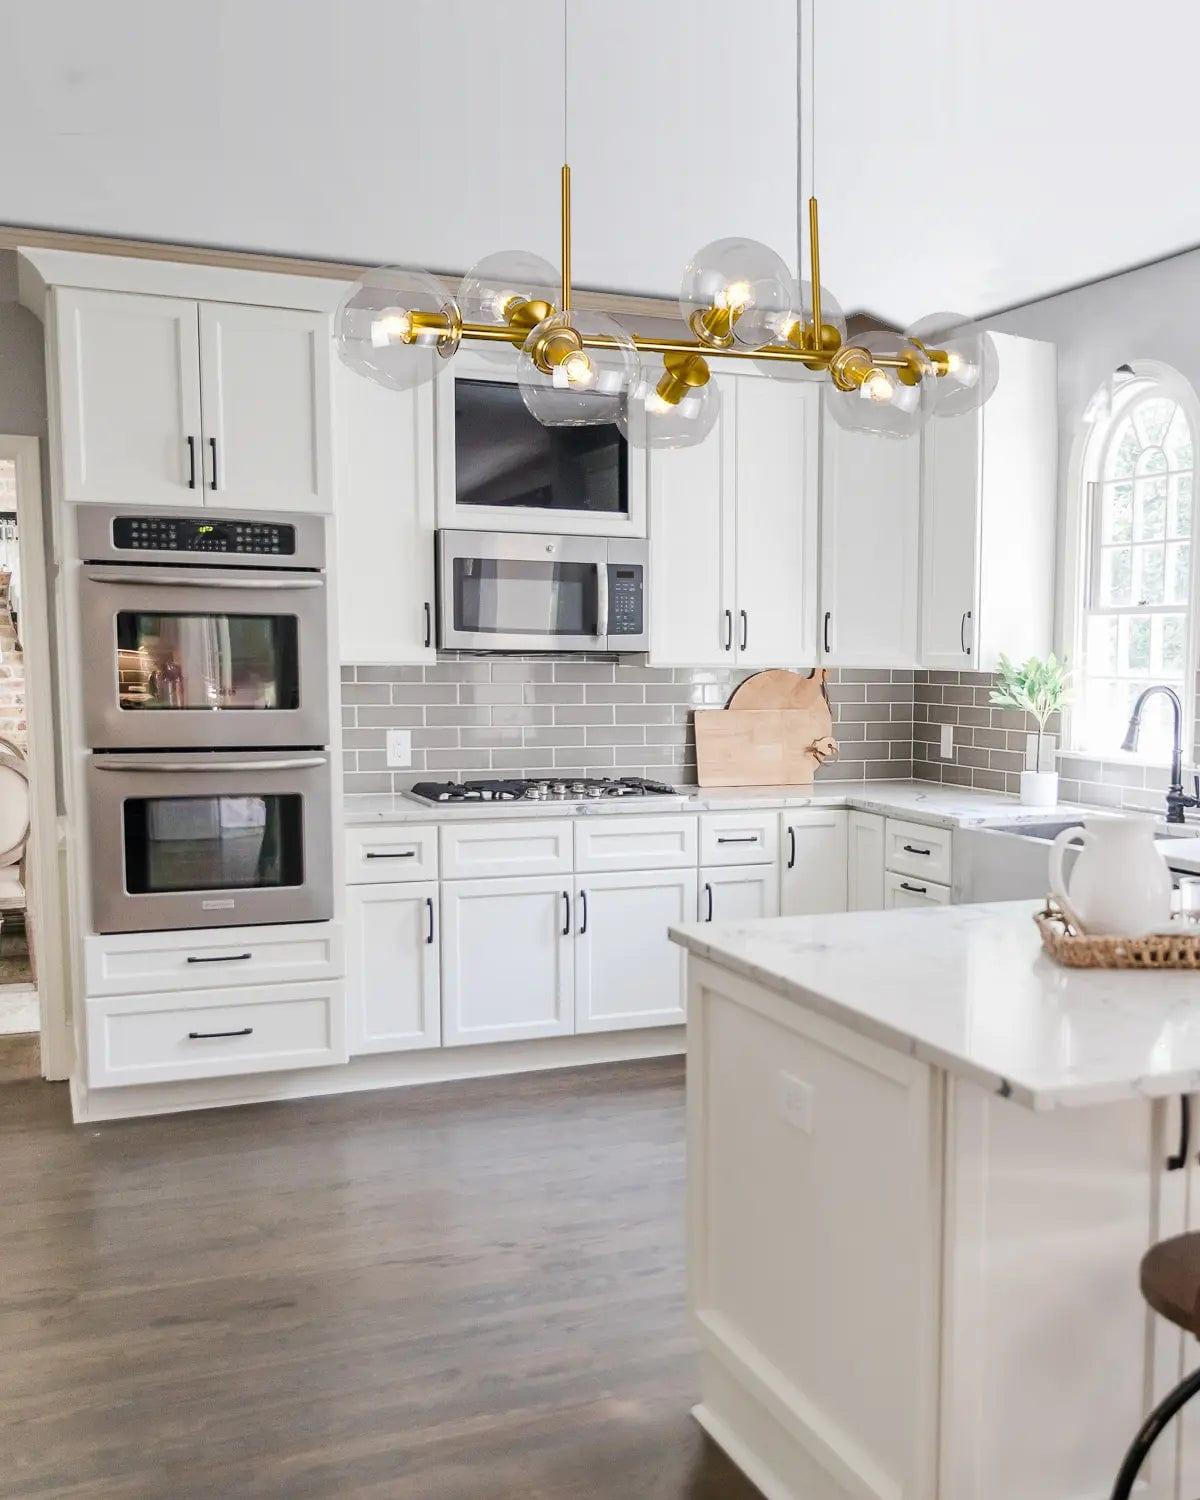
<point x="625" y="599"/>
<point x="195" y="534"/>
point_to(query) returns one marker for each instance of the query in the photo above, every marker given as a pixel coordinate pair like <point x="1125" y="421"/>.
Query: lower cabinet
<point x="729" y="893"/>
<point x="508" y="971"/>
<point x="814" y="867"/>
<point x="394" y="989"/>
<point x="908" y="890"/>
<point x="627" y="973"/>
<point x="864" y="873"/>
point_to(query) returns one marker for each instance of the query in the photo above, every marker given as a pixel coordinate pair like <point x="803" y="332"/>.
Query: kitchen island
<point x="924" y="1163"/>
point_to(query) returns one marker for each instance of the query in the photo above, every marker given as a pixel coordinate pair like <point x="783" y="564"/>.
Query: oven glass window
<point x="178" y="661"/>
<point x="213" y="843"/>
<point x="501" y="596"/>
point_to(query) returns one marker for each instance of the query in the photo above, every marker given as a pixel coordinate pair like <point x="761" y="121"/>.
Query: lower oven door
<point x="209" y="839"/>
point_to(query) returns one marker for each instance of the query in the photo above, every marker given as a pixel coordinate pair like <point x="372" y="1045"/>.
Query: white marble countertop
<point x="969" y="989"/>
<point x="922" y="801"/>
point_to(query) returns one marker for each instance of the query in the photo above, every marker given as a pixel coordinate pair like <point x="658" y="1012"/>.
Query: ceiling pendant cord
<point x="565" y="183"/>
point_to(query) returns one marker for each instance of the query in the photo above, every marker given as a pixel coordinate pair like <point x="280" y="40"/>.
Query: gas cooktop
<point x="571" y="789"/>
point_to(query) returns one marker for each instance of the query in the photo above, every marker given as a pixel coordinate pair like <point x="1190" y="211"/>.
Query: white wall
<point x="423" y="131"/>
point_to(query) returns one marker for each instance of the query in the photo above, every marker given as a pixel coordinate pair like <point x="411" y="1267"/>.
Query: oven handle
<point x="140" y="763"/>
<point x="602" y="600"/>
<point x="198" y="581"/>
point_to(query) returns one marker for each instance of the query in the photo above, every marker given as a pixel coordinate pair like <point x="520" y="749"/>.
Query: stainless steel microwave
<point x="507" y="591"/>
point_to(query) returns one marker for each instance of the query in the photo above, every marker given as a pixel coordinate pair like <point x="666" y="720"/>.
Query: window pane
<point x="1118" y="513"/>
<point x="1180" y="520"/>
<point x="1174" y="644"/>
<point x="1122" y="452"/>
<point x="1151" y="418"/>
<point x="1116" y="575"/>
<point x="1178" y="572"/>
<point x="1151" y="461"/>
<point x="1137" y="644"/>
<point x="1150" y="510"/>
<point x="1149" y="569"/>
<point x="1179" y="441"/>
<point x="1101" y="645"/>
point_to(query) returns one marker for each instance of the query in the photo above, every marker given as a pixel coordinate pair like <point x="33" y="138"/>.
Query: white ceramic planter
<point x="1039" y="788"/>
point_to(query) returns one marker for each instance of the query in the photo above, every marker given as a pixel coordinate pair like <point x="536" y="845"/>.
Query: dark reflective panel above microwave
<point x="505" y="458"/>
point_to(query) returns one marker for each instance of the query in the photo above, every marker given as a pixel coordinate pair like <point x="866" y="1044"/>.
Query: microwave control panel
<point x="188" y="534"/>
<point x="625" y="600"/>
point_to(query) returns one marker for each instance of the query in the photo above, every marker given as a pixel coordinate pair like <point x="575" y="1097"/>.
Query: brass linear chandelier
<point x="738" y="300"/>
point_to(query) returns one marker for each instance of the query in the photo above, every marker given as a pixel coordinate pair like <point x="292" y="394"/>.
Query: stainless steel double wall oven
<point x="205" y="689"/>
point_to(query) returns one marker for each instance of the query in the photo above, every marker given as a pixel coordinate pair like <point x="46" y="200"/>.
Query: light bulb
<point x="656" y="406"/>
<point x="879" y="387"/>
<point x="735" y="293"/>
<point x="954" y="362"/>
<point x="965" y="358"/>
<point x="577" y="368"/>
<point x="499" y="305"/>
<point x="394" y="326"/>
<point x="397" y="326"/>
<point x="736" y="297"/>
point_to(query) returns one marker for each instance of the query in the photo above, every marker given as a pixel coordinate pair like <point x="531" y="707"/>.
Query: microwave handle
<point x="141" y="763"/>
<point x="601" y="600"/>
<point x="200" y="582"/>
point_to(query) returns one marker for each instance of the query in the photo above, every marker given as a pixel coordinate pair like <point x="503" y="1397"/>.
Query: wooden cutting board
<point x="759" y="746"/>
<point x="779" y="689"/>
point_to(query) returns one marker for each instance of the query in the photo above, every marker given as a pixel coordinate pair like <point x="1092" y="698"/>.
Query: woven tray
<point x="1076" y="950"/>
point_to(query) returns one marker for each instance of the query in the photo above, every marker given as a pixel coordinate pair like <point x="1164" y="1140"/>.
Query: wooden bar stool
<point x="1170" y="1281"/>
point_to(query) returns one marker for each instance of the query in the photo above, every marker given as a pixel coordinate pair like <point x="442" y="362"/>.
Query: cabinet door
<point x="507" y="959"/>
<point x="627" y="972"/>
<point x="908" y="890"/>
<point x="691" y="547"/>
<point x="393" y="973"/>
<point x="129" y="394"/>
<point x="385" y="509"/>
<point x="268" y="420"/>
<point x="729" y="893"/>
<point x="864" y="862"/>
<point x="870" y="523"/>
<point x="813" y="878"/>
<point x="776" y="517"/>
<point x="949" y="529"/>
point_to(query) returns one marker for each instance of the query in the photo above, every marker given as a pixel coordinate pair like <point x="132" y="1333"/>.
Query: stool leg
<point x="1151" y="1431"/>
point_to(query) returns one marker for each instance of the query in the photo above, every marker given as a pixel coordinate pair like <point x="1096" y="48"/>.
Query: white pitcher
<point x="1120" y="884"/>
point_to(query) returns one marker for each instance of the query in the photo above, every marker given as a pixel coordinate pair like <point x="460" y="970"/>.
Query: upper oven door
<point x="203" y="657"/>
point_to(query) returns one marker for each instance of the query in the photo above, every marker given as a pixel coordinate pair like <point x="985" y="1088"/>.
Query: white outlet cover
<point x="947" y="745"/>
<point x="399" y="747"/>
<point x="796" y="1102"/>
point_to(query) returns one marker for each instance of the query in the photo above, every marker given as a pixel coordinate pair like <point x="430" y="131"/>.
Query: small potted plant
<point x="1038" y="688"/>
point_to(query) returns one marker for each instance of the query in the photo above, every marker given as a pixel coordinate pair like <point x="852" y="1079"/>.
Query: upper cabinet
<point x="870" y="520"/>
<point x="988" y="505"/>
<point x="170" y="401"/>
<point x="733" y="532"/>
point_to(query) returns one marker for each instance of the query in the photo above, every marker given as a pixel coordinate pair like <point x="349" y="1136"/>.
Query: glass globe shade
<point x="884" y="404"/>
<point x="397" y="326"/>
<point x="650" y="422"/>
<point x="974" y="364"/>
<point x="488" y="289"/>
<point x="565" y="384"/>
<point x="737" y="294"/>
<point x="792" y="333"/>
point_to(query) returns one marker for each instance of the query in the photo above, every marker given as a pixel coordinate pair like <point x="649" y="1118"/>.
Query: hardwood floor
<point x="452" y="1293"/>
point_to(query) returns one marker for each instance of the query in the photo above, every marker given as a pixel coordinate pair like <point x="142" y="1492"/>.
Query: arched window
<point x="1137" y="624"/>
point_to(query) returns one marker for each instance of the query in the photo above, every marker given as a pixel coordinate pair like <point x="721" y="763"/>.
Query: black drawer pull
<point x="566" y="932"/>
<point x="429" y="909"/>
<point x="213" y="445"/>
<point x="191" y="442"/>
<point x="791" y="864"/>
<point x="428" y="625"/>
<point x="219" y="958"/>
<point x="728" y="630"/>
<point x="392" y="854"/>
<point x="583" y="912"/>
<point x="206" y="1036"/>
<point x="912" y="849"/>
<point x="750" y="838"/>
<point x="708" y="890"/>
<point x="920" y="890"/>
<point x="1179" y="1160"/>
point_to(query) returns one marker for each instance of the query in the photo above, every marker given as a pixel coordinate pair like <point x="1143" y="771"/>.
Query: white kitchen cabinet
<point x="627" y="972"/>
<point x="909" y="890"/>
<point x="988" y="508"/>
<point x="870" y="530"/>
<point x="730" y="893"/>
<point x="508" y="959"/>
<point x="267" y="411"/>
<point x="129" y="398"/>
<point x="733" y="532"/>
<point x="393" y="986"/>
<point x="814" y="873"/>
<point x="169" y="401"/>
<point x="385" y="508"/>
<point x="865" y="865"/>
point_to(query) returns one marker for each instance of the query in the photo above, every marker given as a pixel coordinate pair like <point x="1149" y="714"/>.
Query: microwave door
<point x="521" y="594"/>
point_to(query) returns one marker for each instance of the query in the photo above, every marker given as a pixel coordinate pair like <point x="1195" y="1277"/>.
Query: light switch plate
<point x="946" y="749"/>
<point x="796" y="1102"/>
<point x="399" y="747"/>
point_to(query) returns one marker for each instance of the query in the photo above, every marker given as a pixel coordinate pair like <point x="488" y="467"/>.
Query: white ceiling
<point x="968" y="156"/>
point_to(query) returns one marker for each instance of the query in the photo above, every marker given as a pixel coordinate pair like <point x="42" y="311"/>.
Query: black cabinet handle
<point x="391" y="854"/>
<point x="828" y="622"/>
<point x="1179" y="1160"/>
<point x="205" y="1036"/>
<point x="745" y="628"/>
<point x="912" y="849"/>
<point x="429" y="909"/>
<point x="583" y="911"/>
<point x="191" y="442"/>
<point x="428" y="624"/>
<point x="219" y="958"/>
<point x="791" y="864"/>
<point x="962" y="634"/>
<point x="728" y="630"/>
<point x="212" y="442"/>
<point x="920" y="890"/>
<point x="566" y="932"/>
<point x="708" y="891"/>
<point x="750" y="838"/>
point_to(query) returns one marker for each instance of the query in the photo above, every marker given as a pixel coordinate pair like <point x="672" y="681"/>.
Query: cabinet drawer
<point x="162" y="1038"/>
<point x="541" y="846"/>
<point x="379" y="856"/>
<point x="737" y="838"/>
<point x="915" y="849"/>
<point x="906" y="890"/>
<point x="124" y="963"/>
<point x="635" y="843"/>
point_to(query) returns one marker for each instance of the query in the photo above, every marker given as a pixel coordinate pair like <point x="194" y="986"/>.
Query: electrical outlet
<point x="796" y="1102"/>
<point x="946" y="750"/>
<point x="399" y="747"/>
